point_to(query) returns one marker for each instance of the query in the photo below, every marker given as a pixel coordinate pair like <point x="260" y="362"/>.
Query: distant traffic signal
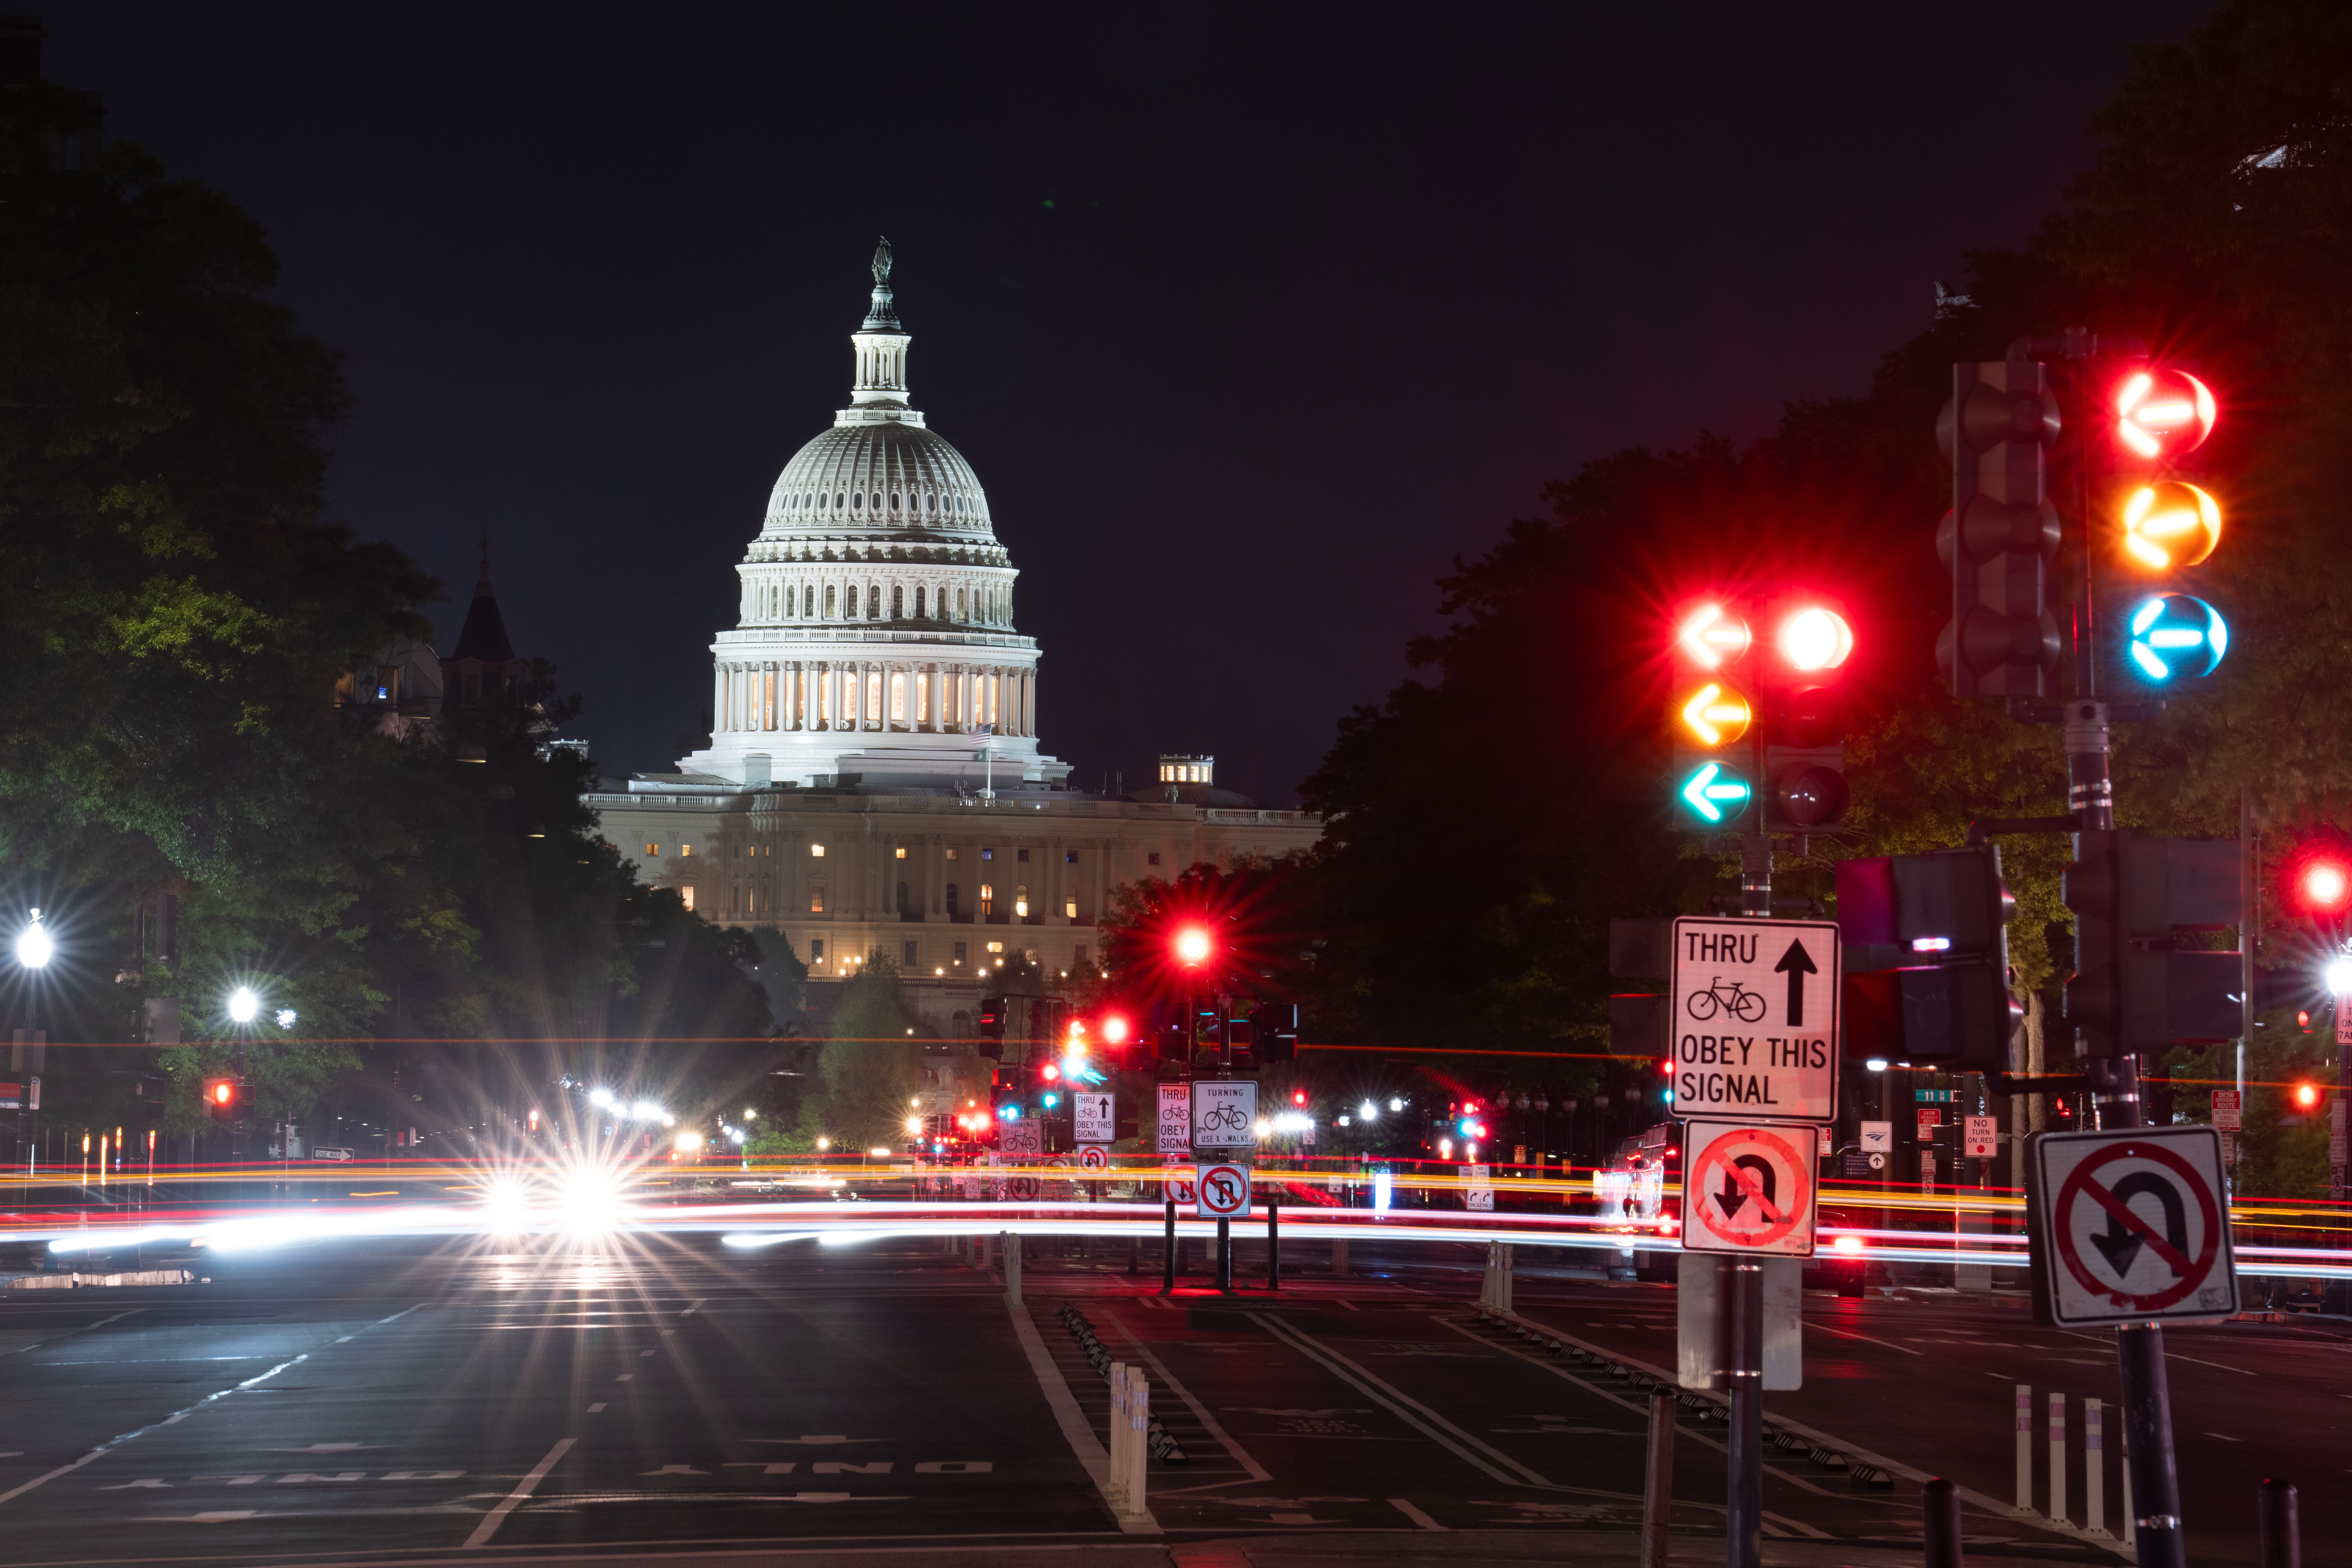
<point x="2318" y="877"/>
<point x="2164" y="527"/>
<point x="2132" y="989"/>
<point x="2001" y="534"/>
<point x="1193" y="945"/>
<point x="223" y="1098"/>
<point x="1925" y="942"/>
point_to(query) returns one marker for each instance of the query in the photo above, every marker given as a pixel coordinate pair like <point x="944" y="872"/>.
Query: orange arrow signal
<point x="1716" y="715"/>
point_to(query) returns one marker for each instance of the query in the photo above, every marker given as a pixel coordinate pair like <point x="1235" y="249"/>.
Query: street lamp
<point x="34" y="946"/>
<point x="244" y="1007"/>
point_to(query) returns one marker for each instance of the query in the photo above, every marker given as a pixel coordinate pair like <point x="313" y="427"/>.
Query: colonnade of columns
<point x="879" y="695"/>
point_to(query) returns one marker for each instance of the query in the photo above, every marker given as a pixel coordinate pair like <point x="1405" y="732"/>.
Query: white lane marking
<point x="1257" y="1472"/>
<point x="645" y="1352"/>
<point x="1353" y="1308"/>
<point x="697" y="1304"/>
<point x="1890" y="1344"/>
<point x="346" y="1338"/>
<point x="625" y="1377"/>
<point x="117" y="1318"/>
<point x="1088" y="1449"/>
<point x="397" y="1316"/>
<point x="597" y="1409"/>
<point x="1419" y="1520"/>
<point x="1399" y="1402"/>
<point x="523" y="1488"/>
<point x="109" y="1446"/>
<point x="2225" y="1437"/>
<point x="2169" y="1353"/>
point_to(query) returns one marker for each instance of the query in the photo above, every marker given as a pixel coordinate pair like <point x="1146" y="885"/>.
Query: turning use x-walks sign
<point x="1748" y="1187"/>
<point x="2130" y="1227"/>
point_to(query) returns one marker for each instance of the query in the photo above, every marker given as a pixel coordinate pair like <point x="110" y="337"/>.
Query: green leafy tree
<point x="871" y="1066"/>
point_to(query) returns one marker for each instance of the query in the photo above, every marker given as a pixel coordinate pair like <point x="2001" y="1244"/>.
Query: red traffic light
<point x="1193" y="946"/>
<point x="1115" y="1029"/>
<point x="2162" y="412"/>
<point x="1299" y="1096"/>
<point x="2318" y="880"/>
<point x="1049" y="1072"/>
<point x="221" y="1090"/>
<point x="2305" y="1096"/>
<point x="1813" y="638"/>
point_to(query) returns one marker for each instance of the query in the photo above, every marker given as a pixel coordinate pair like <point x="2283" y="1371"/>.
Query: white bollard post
<point x="2131" y="1525"/>
<point x="2057" y="1458"/>
<point x="1139" y="1427"/>
<point x="2094" y="1481"/>
<point x="1487" y="1281"/>
<point x="1011" y="1244"/>
<point x="2025" y="1447"/>
<point x="1115" y="1483"/>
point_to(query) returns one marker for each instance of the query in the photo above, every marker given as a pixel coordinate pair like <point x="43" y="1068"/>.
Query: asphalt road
<point x="656" y="1400"/>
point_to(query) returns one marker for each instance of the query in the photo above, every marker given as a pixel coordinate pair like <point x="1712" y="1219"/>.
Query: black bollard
<point x="1168" y="1254"/>
<point x="2281" y="1531"/>
<point x="1658" y="1481"/>
<point x="1273" y="1247"/>
<point x="1940" y="1499"/>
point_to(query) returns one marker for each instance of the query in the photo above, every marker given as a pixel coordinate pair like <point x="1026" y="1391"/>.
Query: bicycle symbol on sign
<point x="1229" y="1117"/>
<point x="1729" y="998"/>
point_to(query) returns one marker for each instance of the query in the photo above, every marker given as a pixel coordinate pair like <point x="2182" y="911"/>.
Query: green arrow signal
<point x="1713" y="794"/>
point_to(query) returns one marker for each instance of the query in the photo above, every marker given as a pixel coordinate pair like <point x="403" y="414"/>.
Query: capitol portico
<point x="874" y="783"/>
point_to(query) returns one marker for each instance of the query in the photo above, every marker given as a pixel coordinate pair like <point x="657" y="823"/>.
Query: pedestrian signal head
<point x="2162" y="413"/>
<point x="2169" y="525"/>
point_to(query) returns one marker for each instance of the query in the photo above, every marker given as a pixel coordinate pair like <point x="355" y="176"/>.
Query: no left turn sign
<point x="1749" y="1189"/>
<point x="1222" y="1192"/>
<point x="2130" y="1227"/>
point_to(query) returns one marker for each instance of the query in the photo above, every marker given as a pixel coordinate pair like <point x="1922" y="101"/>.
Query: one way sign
<point x="1750" y="1189"/>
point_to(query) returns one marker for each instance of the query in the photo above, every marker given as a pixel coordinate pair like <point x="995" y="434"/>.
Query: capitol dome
<point x="892" y="482"/>
<point x="875" y="644"/>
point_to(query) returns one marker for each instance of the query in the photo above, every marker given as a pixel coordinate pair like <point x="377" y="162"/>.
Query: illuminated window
<point x="900" y="854"/>
<point x="898" y="698"/>
<point x="1021" y="900"/>
<point x="874" y="698"/>
<point x="817" y="851"/>
<point x="951" y="854"/>
<point x="1070" y="907"/>
<point x="996" y="947"/>
<point x="685" y="896"/>
<point x="686" y="850"/>
<point x="987" y="902"/>
<point x="988" y="854"/>
<point x="816" y="899"/>
<point x="653" y="849"/>
<point x="1152" y="859"/>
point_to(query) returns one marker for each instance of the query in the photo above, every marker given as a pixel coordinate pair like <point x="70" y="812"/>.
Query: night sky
<point x="1250" y="320"/>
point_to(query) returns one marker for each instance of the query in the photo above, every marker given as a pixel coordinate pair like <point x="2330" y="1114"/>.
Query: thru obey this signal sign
<point x="1749" y="1189"/>
<point x="1754" y="1029"/>
<point x="2130" y="1227"/>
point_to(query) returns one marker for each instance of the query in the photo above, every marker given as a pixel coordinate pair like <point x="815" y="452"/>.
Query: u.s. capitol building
<point x="874" y="783"/>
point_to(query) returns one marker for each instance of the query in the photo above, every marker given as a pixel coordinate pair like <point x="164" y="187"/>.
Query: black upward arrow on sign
<point x="1796" y="964"/>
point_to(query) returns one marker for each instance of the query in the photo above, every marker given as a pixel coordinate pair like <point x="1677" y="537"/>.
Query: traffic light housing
<point x="2133" y="988"/>
<point x="2158" y="528"/>
<point x="225" y="1098"/>
<point x="2001" y="534"/>
<point x="1712" y="782"/>
<point x="1926" y="959"/>
<point x="1274" y="1031"/>
<point x="1803" y="680"/>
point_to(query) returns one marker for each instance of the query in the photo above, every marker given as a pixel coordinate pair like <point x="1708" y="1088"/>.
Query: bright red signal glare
<point x="2326" y="885"/>
<point x="223" y="1092"/>
<point x="1191" y="946"/>
<point x="2162" y="412"/>
<point x="1479" y="1130"/>
<point x="1712" y="637"/>
<point x="1049" y="1072"/>
<point x="1114" y="1029"/>
<point x="2305" y="1096"/>
<point x="1298" y="1097"/>
<point x="1846" y="1244"/>
<point x="1814" y="638"/>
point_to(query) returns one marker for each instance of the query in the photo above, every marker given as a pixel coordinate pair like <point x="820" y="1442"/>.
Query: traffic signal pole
<point x="2090" y="793"/>
<point x="1744" y="1378"/>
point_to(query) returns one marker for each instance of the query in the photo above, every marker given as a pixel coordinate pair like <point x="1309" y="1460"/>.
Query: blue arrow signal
<point x="2173" y="634"/>
<point x="1716" y="794"/>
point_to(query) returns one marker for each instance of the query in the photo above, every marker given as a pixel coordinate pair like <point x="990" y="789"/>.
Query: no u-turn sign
<point x="1748" y="1188"/>
<point x="2130" y="1227"/>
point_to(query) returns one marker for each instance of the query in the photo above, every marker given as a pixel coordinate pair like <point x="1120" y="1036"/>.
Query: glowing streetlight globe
<point x="33" y="945"/>
<point x="2338" y="976"/>
<point x="244" y="1007"/>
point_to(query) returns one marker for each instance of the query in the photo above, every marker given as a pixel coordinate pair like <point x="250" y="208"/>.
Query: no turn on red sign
<point x="2130" y="1227"/>
<point x="1749" y="1189"/>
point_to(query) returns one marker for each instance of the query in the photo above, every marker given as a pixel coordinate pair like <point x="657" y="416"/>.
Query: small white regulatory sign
<point x="1090" y="1116"/>
<point x="1750" y="1189"/>
<point x="1221" y="1192"/>
<point x="1754" y="1018"/>
<point x="1877" y="1137"/>
<point x="2130" y="1227"/>
<point x="1094" y="1159"/>
<point x="1984" y="1134"/>
<point x="1224" y="1113"/>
